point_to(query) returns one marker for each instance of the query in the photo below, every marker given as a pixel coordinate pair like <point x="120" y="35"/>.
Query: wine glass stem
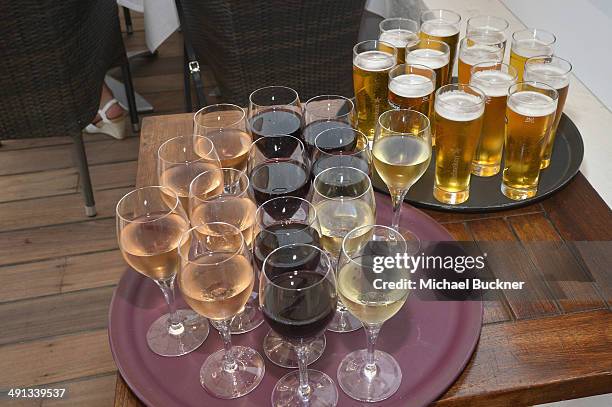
<point x="372" y="331"/>
<point x="229" y="364"/>
<point x="397" y="199"/>
<point x="302" y="353"/>
<point x="175" y="326"/>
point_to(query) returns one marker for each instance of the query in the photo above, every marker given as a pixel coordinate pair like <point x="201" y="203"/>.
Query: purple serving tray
<point x="432" y="341"/>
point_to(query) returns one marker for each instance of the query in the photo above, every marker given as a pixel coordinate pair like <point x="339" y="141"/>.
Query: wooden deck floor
<point x="58" y="267"/>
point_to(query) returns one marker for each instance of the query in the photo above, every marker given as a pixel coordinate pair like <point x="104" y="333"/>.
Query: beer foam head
<point x="531" y="48"/>
<point x="480" y="53"/>
<point x="399" y="38"/>
<point x="439" y="28"/>
<point x="532" y="104"/>
<point x="492" y="82"/>
<point x="459" y="106"/>
<point x="374" y="61"/>
<point x="552" y="75"/>
<point x="411" y="85"/>
<point x="431" y="58"/>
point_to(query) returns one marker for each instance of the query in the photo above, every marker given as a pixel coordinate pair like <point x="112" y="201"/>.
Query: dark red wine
<point x="281" y="234"/>
<point x="278" y="147"/>
<point x="273" y="122"/>
<point x="312" y="130"/>
<point x="300" y="314"/>
<point x="276" y="178"/>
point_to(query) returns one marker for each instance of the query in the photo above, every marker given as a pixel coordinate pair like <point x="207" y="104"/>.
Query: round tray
<point x="432" y="341"/>
<point x="485" y="193"/>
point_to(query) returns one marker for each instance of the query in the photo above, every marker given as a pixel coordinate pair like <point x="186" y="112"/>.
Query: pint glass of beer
<point x="372" y="61"/>
<point x="530" y="114"/>
<point x="412" y="87"/>
<point x="458" y="120"/>
<point x="554" y="72"/>
<point x="494" y="80"/>
<point x="399" y="32"/>
<point x="433" y="54"/>
<point x="442" y="25"/>
<point x="528" y="43"/>
<point x="489" y="29"/>
<point x="472" y="51"/>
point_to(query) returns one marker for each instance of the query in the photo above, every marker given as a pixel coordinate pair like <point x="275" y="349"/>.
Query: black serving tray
<point x="485" y="193"/>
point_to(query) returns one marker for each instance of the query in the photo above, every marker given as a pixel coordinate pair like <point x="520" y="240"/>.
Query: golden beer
<point x="529" y="43"/>
<point x="472" y="52"/>
<point x="399" y="32"/>
<point x="494" y="81"/>
<point x="432" y="54"/>
<point x="412" y="87"/>
<point x="372" y="61"/>
<point x="530" y="114"/>
<point x="554" y="72"/>
<point x="489" y="29"/>
<point x="442" y="25"/>
<point x="458" y="122"/>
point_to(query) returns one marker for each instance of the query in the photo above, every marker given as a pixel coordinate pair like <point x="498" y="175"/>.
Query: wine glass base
<point x="246" y="376"/>
<point x="282" y="353"/>
<point x="323" y="391"/>
<point x="354" y="381"/>
<point x="344" y="321"/>
<point x="249" y="319"/>
<point x="163" y="343"/>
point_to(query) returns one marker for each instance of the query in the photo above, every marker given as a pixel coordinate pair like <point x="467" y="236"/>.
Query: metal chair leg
<point x="129" y="93"/>
<point x="128" y="21"/>
<point x="85" y="180"/>
<point x="187" y="83"/>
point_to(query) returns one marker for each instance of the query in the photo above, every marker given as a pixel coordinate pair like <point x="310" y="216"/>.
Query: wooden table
<point x="557" y="347"/>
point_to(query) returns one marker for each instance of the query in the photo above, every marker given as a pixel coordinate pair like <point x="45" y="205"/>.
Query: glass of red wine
<point x="326" y="112"/>
<point x="287" y="226"/>
<point x="278" y="166"/>
<point x="298" y="298"/>
<point x="274" y="110"/>
<point x="341" y="147"/>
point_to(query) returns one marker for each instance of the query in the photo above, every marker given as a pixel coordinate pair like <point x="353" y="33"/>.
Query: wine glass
<point x="326" y="112"/>
<point x="178" y="163"/>
<point x="401" y="153"/>
<point x="278" y="166"/>
<point x="341" y="147"/>
<point x="150" y="222"/>
<point x="216" y="279"/>
<point x="344" y="200"/>
<point x="368" y="374"/>
<point x="282" y="221"/>
<point x="274" y="110"/>
<point x="224" y="125"/>
<point x="221" y="195"/>
<point x="298" y="298"/>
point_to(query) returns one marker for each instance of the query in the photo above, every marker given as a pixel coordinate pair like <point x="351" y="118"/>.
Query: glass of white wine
<point x="222" y="195"/>
<point x="150" y="222"/>
<point x="178" y="163"/>
<point x="344" y="199"/>
<point x="216" y="278"/>
<point x="368" y="374"/>
<point x="401" y="153"/>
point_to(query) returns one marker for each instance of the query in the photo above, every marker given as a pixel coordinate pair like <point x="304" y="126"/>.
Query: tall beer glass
<point x="399" y="32"/>
<point x="434" y="55"/>
<point x="487" y="29"/>
<point x="530" y="114"/>
<point x="554" y="72"/>
<point x="472" y="52"/>
<point x="458" y="122"/>
<point x="442" y="25"/>
<point x="494" y="80"/>
<point x="528" y="43"/>
<point x="372" y="61"/>
<point x="412" y="87"/>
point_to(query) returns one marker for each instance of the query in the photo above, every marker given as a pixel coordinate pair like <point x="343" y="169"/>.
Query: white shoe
<point x="112" y="127"/>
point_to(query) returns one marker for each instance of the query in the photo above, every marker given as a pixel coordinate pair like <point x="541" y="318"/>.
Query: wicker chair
<point x="306" y="45"/>
<point x="53" y="58"/>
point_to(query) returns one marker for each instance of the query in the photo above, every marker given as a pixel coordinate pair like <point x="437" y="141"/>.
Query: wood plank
<point x="573" y="289"/>
<point x="54" y="210"/>
<point x="54" y="241"/>
<point x="56" y="157"/>
<point x="42" y="142"/>
<point x="597" y="258"/>
<point x="124" y="396"/>
<point x="537" y="361"/>
<point x="447" y="217"/>
<point x="65" y="181"/>
<point x="508" y="261"/>
<point x="579" y="213"/>
<point x="61" y="275"/>
<point x="56" y="359"/>
<point x="55" y="315"/>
